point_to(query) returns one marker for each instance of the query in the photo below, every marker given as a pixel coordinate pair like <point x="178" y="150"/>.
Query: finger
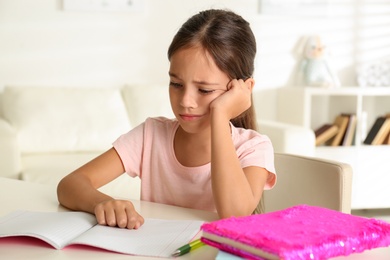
<point x="245" y="83"/>
<point x="110" y="217"/>
<point x="140" y="222"/>
<point x="242" y="84"/>
<point x="121" y="218"/>
<point x="230" y="84"/>
<point x="100" y="216"/>
<point x="134" y="220"/>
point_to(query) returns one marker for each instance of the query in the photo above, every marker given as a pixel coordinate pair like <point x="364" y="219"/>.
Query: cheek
<point x="210" y="98"/>
<point x="172" y="95"/>
<point x="217" y="94"/>
<point x="172" y="99"/>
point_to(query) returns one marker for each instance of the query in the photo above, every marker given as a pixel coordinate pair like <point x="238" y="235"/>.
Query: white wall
<point x="40" y="44"/>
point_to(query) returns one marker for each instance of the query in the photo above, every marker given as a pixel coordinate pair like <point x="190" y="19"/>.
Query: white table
<point x="16" y="195"/>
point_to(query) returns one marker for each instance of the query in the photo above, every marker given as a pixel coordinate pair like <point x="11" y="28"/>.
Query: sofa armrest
<point x="288" y="138"/>
<point x="9" y="151"/>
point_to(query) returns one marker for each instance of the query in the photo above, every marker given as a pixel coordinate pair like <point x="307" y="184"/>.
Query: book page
<point x="55" y="228"/>
<point x="156" y="237"/>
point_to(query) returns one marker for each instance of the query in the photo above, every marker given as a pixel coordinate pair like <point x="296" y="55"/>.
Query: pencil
<point x="188" y="247"/>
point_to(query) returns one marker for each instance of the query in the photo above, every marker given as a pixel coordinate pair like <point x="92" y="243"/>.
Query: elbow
<point x="60" y="191"/>
<point x="242" y="212"/>
<point x="63" y="191"/>
<point x="227" y="215"/>
<point x="240" y="209"/>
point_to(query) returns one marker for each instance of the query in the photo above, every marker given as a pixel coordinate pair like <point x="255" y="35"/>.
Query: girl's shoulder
<point x="243" y="134"/>
<point x="245" y="139"/>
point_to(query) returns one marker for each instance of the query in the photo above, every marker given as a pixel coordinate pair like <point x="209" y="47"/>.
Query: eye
<point x="205" y="91"/>
<point x="175" y="84"/>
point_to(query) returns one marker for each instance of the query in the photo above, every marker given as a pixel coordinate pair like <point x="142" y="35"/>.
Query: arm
<point x="78" y="191"/>
<point x="236" y="191"/>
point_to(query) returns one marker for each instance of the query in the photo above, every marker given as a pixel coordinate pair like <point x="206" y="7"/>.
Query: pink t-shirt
<point x="147" y="151"/>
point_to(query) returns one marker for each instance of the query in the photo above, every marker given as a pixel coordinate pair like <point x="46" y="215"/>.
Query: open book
<point x="156" y="237"/>
<point x="300" y="232"/>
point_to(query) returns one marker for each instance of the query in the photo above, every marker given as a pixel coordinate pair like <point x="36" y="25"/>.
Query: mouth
<point x="189" y="117"/>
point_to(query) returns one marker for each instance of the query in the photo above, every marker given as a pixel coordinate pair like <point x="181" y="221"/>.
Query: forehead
<point x="195" y="60"/>
<point x="192" y="54"/>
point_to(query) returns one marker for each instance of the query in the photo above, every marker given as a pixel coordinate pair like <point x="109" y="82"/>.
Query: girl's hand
<point x="236" y="100"/>
<point x="119" y="213"/>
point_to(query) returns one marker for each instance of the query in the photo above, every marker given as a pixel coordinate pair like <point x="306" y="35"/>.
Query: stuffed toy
<point x="314" y="68"/>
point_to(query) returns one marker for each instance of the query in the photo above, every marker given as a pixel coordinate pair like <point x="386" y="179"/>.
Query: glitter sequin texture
<point x="301" y="232"/>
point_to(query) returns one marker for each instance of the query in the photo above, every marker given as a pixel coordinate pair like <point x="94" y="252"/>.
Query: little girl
<point x="209" y="157"/>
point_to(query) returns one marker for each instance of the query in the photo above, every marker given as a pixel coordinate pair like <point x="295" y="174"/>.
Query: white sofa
<point x="47" y="132"/>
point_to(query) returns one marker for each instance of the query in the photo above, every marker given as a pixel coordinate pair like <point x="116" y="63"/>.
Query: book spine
<point x="325" y="133"/>
<point x="374" y="130"/>
<point x="342" y="122"/>
<point x="382" y="133"/>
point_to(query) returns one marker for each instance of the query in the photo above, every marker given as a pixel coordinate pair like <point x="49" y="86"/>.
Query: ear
<point x="250" y="82"/>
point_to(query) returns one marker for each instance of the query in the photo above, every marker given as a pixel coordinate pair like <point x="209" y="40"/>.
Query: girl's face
<point x="195" y="81"/>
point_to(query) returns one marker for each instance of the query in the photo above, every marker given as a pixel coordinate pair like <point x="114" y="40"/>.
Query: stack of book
<point x="379" y="132"/>
<point x="341" y="132"/>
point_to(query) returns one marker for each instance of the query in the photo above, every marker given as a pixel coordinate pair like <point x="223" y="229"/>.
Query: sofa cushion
<point x="56" y="119"/>
<point x="9" y="151"/>
<point x="143" y="101"/>
<point x="1" y="104"/>
<point x="288" y="138"/>
<point x="51" y="168"/>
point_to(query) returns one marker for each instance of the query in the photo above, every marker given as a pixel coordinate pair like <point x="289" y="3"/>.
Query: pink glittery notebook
<point x="300" y="232"/>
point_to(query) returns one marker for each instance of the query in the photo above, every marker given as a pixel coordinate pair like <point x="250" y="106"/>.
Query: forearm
<point x="77" y="193"/>
<point x="78" y="190"/>
<point x="231" y="190"/>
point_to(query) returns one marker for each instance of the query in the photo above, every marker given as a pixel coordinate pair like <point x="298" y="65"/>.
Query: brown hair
<point x="229" y="40"/>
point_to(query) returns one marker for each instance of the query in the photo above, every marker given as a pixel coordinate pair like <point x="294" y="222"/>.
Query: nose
<point x="188" y="98"/>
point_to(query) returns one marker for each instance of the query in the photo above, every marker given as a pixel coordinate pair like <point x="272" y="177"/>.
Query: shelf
<point x="312" y="107"/>
<point x="346" y="91"/>
<point x="335" y="151"/>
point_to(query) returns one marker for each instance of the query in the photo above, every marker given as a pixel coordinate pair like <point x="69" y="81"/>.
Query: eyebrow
<point x="200" y="82"/>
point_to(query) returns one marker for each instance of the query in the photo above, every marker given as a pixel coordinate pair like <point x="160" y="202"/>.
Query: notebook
<point x="156" y="237"/>
<point x="300" y="232"/>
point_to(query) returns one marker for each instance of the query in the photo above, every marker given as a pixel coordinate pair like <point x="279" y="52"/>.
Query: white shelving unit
<point x="312" y="107"/>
